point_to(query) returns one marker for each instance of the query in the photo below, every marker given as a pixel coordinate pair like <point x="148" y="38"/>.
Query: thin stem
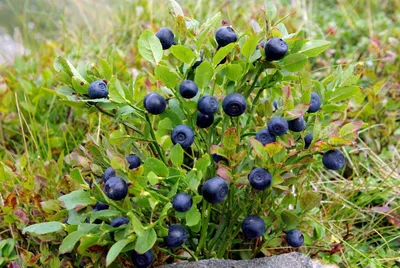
<point x="153" y="135"/>
<point x="206" y="212"/>
<point x="190" y="252"/>
<point x="248" y="92"/>
<point x="174" y="255"/>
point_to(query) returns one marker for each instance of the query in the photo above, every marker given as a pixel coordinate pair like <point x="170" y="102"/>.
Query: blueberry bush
<point x="192" y="139"/>
<point x="217" y="136"/>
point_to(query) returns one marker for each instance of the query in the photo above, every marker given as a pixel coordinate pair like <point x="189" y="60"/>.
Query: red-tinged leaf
<point x="224" y="172"/>
<point x="22" y="215"/>
<point x="350" y="130"/>
<point x="338" y="141"/>
<point x="321" y="146"/>
<point x="272" y="148"/>
<point x="258" y="148"/>
<point x="392" y="217"/>
<point x="298" y="111"/>
<point x="331" y="130"/>
<point x="218" y="150"/>
<point x="230" y="140"/>
<point x="236" y="159"/>
<point x="11" y="201"/>
<point x="287" y="141"/>
<point x="287" y="98"/>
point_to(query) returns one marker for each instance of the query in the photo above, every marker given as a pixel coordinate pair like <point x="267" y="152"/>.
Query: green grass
<point x="37" y="131"/>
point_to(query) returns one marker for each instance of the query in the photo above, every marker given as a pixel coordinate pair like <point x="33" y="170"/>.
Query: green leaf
<point x="153" y="178"/>
<point x="206" y="28"/>
<point x="222" y="53"/>
<point x="183" y="53"/>
<point x="295" y="62"/>
<point x="76" y="199"/>
<point x="298" y="111"/>
<point x="77" y="176"/>
<point x="168" y="77"/>
<point x="62" y="64"/>
<point x="203" y="163"/>
<point x="70" y="241"/>
<point x="193" y="216"/>
<point x="175" y="8"/>
<point x="249" y="46"/>
<point x="106" y="69"/>
<point x="270" y="10"/>
<point x="314" y="48"/>
<point x="258" y="148"/>
<point x="345" y="93"/>
<point x="289" y="218"/>
<point x="230" y="140"/>
<point x="155" y="165"/>
<point x="204" y="73"/>
<point x="309" y="200"/>
<point x="150" y="47"/>
<point x="234" y="72"/>
<point x="145" y="241"/>
<point x="115" y="250"/>
<point x="115" y="91"/>
<point x="43" y="228"/>
<point x="137" y="225"/>
<point x="177" y="155"/>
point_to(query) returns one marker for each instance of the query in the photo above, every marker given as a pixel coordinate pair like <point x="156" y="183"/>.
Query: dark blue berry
<point x="176" y="236"/>
<point x="215" y="190"/>
<point x="182" y="202"/>
<point x="225" y="35"/>
<point x="333" y="159"/>
<point x="294" y="238"/>
<point x="97" y="90"/>
<point x="204" y="120"/>
<point x="142" y="260"/>
<point x="297" y="125"/>
<point x="275" y="49"/>
<point x="218" y="158"/>
<point x="133" y="161"/>
<point x="261" y="44"/>
<point x="265" y="137"/>
<point x="183" y="135"/>
<point x="100" y="206"/>
<point x="253" y="227"/>
<point x="234" y="104"/>
<point x="117" y="222"/>
<point x="278" y="126"/>
<point x="188" y="89"/>
<point x="116" y="188"/>
<point x="260" y="179"/>
<point x="315" y="103"/>
<point x="307" y="140"/>
<point x="166" y="37"/>
<point x="154" y="103"/>
<point x="207" y="105"/>
<point x="108" y="173"/>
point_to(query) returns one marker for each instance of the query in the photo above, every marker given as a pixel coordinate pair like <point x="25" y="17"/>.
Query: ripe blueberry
<point x="188" y="89"/>
<point x="182" y="202"/>
<point x="176" y="236"/>
<point x="225" y="35"/>
<point x="307" y="140"/>
<point x="278" y="126"/>
<point x="100" y="206"/>
<point x="215" y="190"/>
<point x="315" y="103"/>
<point x="204" y="120"/>
<point x="166" y="37"/>
<point x="116" y="188"/>
<point x="234" y="104"/>
<point x="218" y="158"/>
<point x="294" y="238"/>
<point x="260" y="179"/>
<point x="207" y="105"/>
<point x="333" y="159"/>
<point x="275" y="49"/>
<point x="154" y="103"/>
<point x="261" y="44"/>
<point x="117" y="222"/>
<point x="265" y="137"/>
<point x="297" y="125"/>
<point x="183" y="135"/>
<point x="108" y="173"/>
<point x="97" y="90"/>
<point x="253" y="227"/>
<point x="142" y="260"/>
<point x="133" y="161"/>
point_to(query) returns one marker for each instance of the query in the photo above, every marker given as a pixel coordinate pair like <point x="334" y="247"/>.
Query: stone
<point x="290" y="260"/>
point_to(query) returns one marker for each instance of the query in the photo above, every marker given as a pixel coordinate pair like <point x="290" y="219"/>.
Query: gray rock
<point x="290" y="260"/>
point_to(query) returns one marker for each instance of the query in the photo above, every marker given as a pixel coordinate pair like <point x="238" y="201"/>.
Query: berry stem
<point x="153" y="135"/>
<point x="206" y="212"/>
<point x="247" y="93"/>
